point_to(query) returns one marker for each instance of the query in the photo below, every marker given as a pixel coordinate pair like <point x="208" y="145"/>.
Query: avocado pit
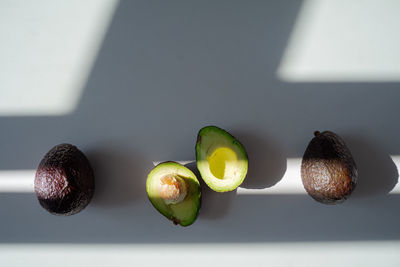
<point x="172" y="189"/>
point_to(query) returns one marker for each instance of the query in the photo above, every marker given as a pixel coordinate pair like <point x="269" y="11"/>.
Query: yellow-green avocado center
<point x="220" y="159"/>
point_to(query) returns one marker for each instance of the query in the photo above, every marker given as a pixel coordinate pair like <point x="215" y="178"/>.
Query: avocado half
<point x="64" y="180"/>
<point x="175" y="192"/>
<point x="221" y="159"/>
<point x="328" y="171"/>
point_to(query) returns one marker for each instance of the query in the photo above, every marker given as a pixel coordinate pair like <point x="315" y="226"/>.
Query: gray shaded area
<point x="165" y="70"/>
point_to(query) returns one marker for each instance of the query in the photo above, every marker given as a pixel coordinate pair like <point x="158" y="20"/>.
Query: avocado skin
<point x="328" y="171"/>
<point x="64" y="181"/>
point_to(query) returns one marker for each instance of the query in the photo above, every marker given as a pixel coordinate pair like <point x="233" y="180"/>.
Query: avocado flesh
<point x="221" y="159"/>
<point x="328" y="171"/>
<point x="184" y="212"/>
<point x="64" y="180"/>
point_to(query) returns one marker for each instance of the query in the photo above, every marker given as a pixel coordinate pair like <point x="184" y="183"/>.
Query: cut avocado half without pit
<point x="221" y="159"/>
<point x="175" y="192"/>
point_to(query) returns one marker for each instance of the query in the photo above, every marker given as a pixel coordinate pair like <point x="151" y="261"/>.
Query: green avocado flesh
<point x="184" y="209"/>
<point x="221" y="159"/>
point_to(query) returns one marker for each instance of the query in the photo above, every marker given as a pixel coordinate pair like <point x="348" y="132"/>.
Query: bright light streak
<point x="344" y="41"/>
<point x="396" y="161"/>
<point x="20" y="181"/>
<point x="47" y="52"/>
<point x="367" y="253"/>
<point x="291" y="181"/>
<point x="183" y="162"/>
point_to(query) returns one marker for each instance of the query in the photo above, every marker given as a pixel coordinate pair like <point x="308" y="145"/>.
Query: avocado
<point x="175" y="192"/>
<point x="328" y="171"/>
<point x="221" y="159"/>
<point x="64" y="181"/>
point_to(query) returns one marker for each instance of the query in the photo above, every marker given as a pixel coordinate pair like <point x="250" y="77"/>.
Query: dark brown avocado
<point x="64" y="181"/>
<point x="328" y="171"/>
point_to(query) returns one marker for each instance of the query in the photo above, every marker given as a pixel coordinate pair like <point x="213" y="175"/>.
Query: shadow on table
<point x="165" y="70"/>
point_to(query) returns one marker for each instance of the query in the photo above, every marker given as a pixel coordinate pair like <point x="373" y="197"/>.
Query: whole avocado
<point x="64" y="181"/>
<point x="328" y="171"/>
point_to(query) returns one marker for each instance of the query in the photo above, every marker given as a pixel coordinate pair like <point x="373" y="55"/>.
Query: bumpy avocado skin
<point x="64" y="181"/>
<point x="328" y="171"/>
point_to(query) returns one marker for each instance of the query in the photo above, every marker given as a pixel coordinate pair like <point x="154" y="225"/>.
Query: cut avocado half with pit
<point x="175" y="192"/>
<point x="221" y="159"/>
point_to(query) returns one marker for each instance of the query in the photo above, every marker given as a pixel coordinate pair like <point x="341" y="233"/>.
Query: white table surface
<point x="131" y="83"/>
